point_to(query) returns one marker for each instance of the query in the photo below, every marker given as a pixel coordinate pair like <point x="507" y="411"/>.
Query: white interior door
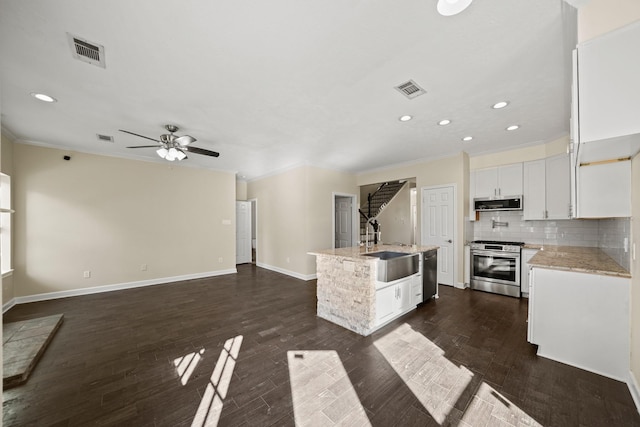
<point x="243" y="232"/>
<point x="438" y="219"/>
<point x="344" y="222"/>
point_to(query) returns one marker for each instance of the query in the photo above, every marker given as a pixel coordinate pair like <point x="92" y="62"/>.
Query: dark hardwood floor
<point x="248" y="350"/>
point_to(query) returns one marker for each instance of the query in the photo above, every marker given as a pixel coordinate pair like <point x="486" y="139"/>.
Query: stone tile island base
<point x="346" y="285"/>
<point x="347" y="298"/>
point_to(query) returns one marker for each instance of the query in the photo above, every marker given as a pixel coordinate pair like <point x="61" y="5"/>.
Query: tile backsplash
<point x="607" y="234"/>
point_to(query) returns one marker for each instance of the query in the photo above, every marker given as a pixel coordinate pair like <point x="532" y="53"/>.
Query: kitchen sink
<point x="395" y="265"/>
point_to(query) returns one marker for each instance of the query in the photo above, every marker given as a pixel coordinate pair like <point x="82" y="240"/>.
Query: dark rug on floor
<point x="23" y="344"/>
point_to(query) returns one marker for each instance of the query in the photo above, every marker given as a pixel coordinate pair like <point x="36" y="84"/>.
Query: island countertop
<point x="357" y="252"/>
<point x="578" y="258"/>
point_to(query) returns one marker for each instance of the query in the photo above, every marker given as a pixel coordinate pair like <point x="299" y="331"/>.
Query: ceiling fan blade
<point x="141" y="136"/>
<point x="197" y="150"/>
<point x="184" y="140"/>
<point x="145" y="146"/>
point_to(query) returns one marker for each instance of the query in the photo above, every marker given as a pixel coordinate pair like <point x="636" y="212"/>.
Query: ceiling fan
<point x="172" y="147"/>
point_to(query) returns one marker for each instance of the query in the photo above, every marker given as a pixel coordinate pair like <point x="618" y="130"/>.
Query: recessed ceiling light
<point x="467" y="138"/>
<point x="43" y="97"/>
<point x="500" y="104"/>
<point x="444" y="122"/>
<point x="513" y="127"/>
<point x="452" y="7"/>
<point x="405" y="118"/>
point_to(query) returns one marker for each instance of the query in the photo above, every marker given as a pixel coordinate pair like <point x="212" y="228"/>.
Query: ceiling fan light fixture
<point x="452" y="7"/>
<point x="181" y="155"/>
<point x="162" y="152"/>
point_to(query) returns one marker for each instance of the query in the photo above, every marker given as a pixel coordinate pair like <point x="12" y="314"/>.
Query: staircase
<point x="377" y="201"/>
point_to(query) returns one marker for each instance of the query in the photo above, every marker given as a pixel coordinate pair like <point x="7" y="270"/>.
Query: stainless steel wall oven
<point x="495" y="267"/>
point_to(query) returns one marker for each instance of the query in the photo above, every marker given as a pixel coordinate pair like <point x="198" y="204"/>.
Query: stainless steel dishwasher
<point x="429" y="274"/>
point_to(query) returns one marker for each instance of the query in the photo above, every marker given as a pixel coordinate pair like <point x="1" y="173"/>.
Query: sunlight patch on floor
<point x="489" y="406"/>
<point x="439" y="384"/>
<point x="321" y="390"/>
<point x="185" y="365"/>
<point x="210" y="408"/>
<point x="435" y="381"/>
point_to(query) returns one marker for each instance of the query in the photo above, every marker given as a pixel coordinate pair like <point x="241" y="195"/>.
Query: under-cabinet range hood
<point x="511" y="203"/>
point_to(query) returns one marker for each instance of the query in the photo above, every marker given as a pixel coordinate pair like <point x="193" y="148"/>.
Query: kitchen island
<point x="350" y="294"/>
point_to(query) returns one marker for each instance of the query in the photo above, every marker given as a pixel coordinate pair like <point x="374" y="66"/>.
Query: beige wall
<point x="601" y="16"/>
<point x="535" y="152"/>
<point x="110" y="215"/>
<point x="295" y="215"/>
<point x="395" y="219"/>
<point x="635" y="268"/>
<point x="451" y="170"/>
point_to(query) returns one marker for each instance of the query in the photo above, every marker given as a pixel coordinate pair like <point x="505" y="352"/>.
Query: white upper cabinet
<point x="502" y="181"/>
<point x="558" y="187"/>
<point x="604" y="190"/>
<point x="534" y="194"/>
<point x="547" y="191"/>
<point x="486" y="182"/>
<point x="609" y="86"/>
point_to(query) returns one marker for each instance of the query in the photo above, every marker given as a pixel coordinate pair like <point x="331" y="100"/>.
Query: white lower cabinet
<point x="396" y="298"/>
<point x="525" y="271"/>
<point x="416" y="290"/>
<point x="581" y="319"/>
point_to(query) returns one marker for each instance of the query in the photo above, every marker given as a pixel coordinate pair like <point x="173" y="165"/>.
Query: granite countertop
<point x="357" y="252"/>
<point x="577" y="258"/>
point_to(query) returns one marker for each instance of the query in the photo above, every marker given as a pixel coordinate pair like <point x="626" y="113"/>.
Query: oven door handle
<point x="496" y="254"/>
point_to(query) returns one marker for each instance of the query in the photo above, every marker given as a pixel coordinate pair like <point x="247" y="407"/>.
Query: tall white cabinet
<point x="606" y="101"/>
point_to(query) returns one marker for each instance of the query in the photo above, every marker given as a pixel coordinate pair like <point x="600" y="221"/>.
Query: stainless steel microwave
<point x="513" y="203"/>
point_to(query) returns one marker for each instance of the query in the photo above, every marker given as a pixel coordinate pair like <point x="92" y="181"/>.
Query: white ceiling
<point x="275" y="84"/>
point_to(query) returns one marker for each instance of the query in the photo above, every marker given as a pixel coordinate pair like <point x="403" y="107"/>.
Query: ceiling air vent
<point x="410" y="89"/>
<point x="87" y="51"/>
<point x="105" y="138"/>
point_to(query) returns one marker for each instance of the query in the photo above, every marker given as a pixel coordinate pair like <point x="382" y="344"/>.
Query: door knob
<point x="449" y="241"/>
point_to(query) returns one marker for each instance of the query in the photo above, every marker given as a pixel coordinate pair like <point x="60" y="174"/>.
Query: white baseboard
<point x="7" y="306"/>
<point x="611" y="375"/>
<point x="117" y="287"/>
<point x="287" y="272"/>
<point x="634" y="389"/>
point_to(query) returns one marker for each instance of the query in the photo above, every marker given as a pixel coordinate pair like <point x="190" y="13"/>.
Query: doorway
<point x="243" y="232"/>
<point x="345" y="217"/>
<point x="439" y="227"/>
<point x="254" y="230"/>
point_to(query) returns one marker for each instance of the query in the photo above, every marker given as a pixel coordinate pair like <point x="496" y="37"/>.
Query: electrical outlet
<point x="220" y="259"/>
<point x="288" y="260"/>
<point x="143" y="267"/>
<point x="87" y="274"/>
